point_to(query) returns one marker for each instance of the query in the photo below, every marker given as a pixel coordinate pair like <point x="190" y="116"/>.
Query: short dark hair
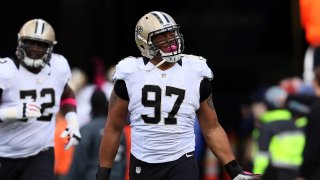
<point x="99" y="103"/>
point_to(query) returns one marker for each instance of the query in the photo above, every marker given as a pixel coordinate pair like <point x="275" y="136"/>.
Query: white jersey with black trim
<point x="162" y="106"/>
<point x="19" y="138"/>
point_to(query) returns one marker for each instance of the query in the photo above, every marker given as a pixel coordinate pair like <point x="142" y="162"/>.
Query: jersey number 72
<point x="44" y="92"/>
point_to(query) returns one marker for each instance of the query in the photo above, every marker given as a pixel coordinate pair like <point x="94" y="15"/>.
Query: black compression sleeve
<point x="205" y="89"/>
<point x="103" y="173"/>
<point x="120" y="89"/>
<point x="233" y="168"/>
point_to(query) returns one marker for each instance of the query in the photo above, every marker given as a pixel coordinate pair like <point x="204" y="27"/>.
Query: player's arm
<point x="68" y="107"/>
<point x="213" y="133"/>
<point x="215" y="136"/>
<point x="68" y="102"/>
<point x="117" y="115"/>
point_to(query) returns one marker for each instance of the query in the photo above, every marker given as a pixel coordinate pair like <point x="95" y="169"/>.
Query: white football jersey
<point x="25" y="138"/>
<point x="162" y="106"/>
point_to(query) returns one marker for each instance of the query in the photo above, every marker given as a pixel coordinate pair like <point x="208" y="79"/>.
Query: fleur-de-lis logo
<point x="139" y="30"/>
<point x="138" y="170"/>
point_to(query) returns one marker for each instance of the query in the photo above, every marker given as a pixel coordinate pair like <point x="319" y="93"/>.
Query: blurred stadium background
<point x="247" y="43"/>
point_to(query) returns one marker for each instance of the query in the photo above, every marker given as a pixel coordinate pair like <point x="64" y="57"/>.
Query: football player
<point x="33" y="87"/>
<point x="163" y="92"/>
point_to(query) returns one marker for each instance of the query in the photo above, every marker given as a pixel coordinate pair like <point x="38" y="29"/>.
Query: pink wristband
<point x="70" y="101"/>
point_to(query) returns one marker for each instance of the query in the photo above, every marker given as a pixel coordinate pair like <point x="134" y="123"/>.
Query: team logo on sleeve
<point x="138" y="170"/>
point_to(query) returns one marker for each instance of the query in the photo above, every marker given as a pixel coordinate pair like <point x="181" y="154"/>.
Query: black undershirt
<point x="120" y="89"/>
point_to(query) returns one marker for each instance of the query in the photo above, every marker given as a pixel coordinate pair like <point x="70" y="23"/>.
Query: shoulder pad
<point x="60" y="64"/>
<point x="194" y="57"/>
<point x="125" y="67"/>
<point x="7" y="68"/>
<point x="199" y="64"/>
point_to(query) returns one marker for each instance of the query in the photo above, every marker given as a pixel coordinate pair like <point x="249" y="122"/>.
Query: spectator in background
<point x="85" y="157"/>
<point x="78" y="80"/>
<point x="62" y="158"/>
<point x="278" y="133"/>
<point x="310" y="168"/>
<point x="83" y="97"/>
<point x="200" y="148"/>
<point x="109" y="73"/>
<point x="310" y="22"/>
<point x="244" y="135"/>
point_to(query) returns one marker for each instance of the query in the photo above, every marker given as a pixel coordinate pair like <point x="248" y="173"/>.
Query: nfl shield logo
<point x="138" y="170"/>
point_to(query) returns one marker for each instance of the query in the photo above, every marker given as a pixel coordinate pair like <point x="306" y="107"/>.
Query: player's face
<point x="35" y="49"/>
<point x="166" y="41"/>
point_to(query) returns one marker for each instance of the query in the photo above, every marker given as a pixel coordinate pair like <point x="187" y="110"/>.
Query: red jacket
<point x="310" y="20"/>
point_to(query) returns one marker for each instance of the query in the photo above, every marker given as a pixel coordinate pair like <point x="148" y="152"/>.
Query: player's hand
<point x="73" y="133"/>
<point x="28" y="110"/>
<point x="236" y="173"/>
<point x="22" y="111"/>
<point x="247" y="176"/>
<point x="72" y="130"/>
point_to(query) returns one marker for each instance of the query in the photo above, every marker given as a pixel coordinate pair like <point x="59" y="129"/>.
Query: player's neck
<point x="164" y="66"/>
<point x="32" y="70"/>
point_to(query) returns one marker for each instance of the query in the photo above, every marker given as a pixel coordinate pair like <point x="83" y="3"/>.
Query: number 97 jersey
<point x="23" y="138"/>
<point x="162" y="106"/>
